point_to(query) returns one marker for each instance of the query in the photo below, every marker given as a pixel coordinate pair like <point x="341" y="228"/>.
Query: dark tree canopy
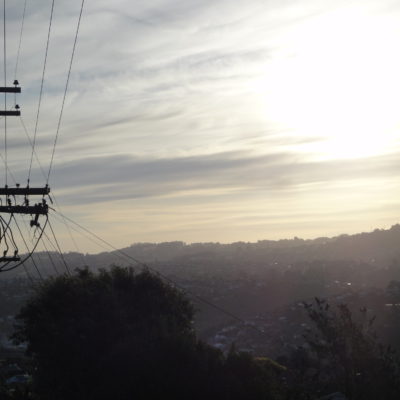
<point x="121" y="335"/>
<point x="343" y="354"/>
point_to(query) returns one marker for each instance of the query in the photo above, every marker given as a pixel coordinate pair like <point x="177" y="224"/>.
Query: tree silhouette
<point x="121" y="335"/>
<point x="346" y="355"/>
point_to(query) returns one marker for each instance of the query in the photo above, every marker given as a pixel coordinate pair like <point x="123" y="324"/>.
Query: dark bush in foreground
<point x="121" y="335"/>
<point x="343" y="354"/>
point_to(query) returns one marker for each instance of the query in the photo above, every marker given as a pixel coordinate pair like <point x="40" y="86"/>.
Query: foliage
<point x="123" y="335"/>
<point x="249" y="378"/>
<point x="343" y="354"/>
<point x="15" y="392"/>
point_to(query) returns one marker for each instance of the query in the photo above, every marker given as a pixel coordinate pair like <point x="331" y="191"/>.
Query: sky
<point x="210" y="120"/>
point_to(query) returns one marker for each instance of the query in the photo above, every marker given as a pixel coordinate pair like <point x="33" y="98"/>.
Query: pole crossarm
<point x="24" y="191"/>
<point x="10" y="89"/>
<point x="10" y="259"/>
<point x="10" y="113"/>
<point x="37" y="209"/>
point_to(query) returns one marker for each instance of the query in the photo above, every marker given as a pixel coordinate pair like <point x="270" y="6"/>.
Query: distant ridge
<point x="380" y="247"/>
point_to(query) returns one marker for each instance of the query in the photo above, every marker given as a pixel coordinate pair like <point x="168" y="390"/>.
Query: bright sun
<point x="337" y="83"/>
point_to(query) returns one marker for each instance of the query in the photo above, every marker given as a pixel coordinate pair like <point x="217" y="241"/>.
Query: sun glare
<point x="338" y="83"/>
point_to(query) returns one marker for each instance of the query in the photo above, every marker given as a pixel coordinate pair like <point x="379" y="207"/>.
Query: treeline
<point x="120" y="334"/>
<point x="377" y="249"/>
<point x="379" y="246"/>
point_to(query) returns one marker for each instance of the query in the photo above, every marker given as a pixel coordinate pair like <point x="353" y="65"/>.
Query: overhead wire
<point x="5" y="84"/>
<point x="31" y="251"/>
<point x="167" y="279"/>
<point x="8" y="169"/>
<point x="4" y="228"/>
<point x="65" y="91"/>
<point x="68" y="229"/>
<point x="39" y="258"/>
<point x="61" y="111"/>
<point x="53" y="246"/>
<point x="28" y="274"/>
<point x="91" y="233"/>
<point x="49" y="254"/>
<point x="37" y="254"/>
<point x="10" y="235"/>
<point x="20" y="41"/>
<point x="44" y="176"/>
<point x="41" y="89"/>
<point x="86" y="236"/>
<point x="33" y="143"/>
<point x="124" y="254"/>
<point x="24" y="266"/>
<point x="96" y="240"/>
<point x="59" y="249"/>
<point x="43" y="173"/>
<point x="90" y="238"/>
<point x="27" y="248"/>
<point x="42" y="242"/>
<point x="60" y="116"/>
<point x="16" y="223"/>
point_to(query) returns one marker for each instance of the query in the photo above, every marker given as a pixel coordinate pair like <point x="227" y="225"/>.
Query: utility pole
<point x="12" y="195"/>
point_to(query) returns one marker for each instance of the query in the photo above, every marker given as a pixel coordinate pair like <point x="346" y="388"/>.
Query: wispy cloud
<point x="174" y="113"/>
<point x="101" y="179"/>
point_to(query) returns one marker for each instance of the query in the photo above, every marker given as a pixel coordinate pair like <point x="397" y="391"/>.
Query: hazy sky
<point x="213" y="120"/>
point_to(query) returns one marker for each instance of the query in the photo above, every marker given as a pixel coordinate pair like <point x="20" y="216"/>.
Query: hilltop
<point x="378" y="248"/>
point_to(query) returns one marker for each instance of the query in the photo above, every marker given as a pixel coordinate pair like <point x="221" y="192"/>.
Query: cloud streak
<point x="183" y="115"/>
<point x="119" y="177"/>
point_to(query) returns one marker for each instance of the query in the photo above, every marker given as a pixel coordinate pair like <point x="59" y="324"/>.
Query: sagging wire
<point x="31" y="252"/>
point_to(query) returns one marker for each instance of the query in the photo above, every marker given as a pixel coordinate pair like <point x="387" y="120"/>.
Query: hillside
<point x="379" y="249"/>
<point x="251" y="279"/>
<point x="380" y="246"/>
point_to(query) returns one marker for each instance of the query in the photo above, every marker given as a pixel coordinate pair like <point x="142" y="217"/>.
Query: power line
<point x="101" y="240"/>
<point x="65" y="91"/>
<point x="40" y="260"/>
<point x="59" y="249"/>
<point x="44" y="245"/>
<point x="5" y="83"/>
<point x="86" y="236"/>
<point x="62" y="107"/>
<point x="23" y="265"/>
<point x="53" y="153"/>
<point x="41" y="88"/>
<point x="32" y="146"/>
<point x="33" y="153"/>
<point x="30" y="253"/>
<point x="68" y="228"/>
<point x="27" y="248"/>
<point x="53" y="246"/>
<point x="33" y="261"/>
<point x="48" y="253"/>
<point x="44" y="176"/>
<point x="8" y="169"/>
<point x="169" y="280"/>
<point x="5" y="226"/>
<point x="28" y="274"/>
<point x="20" y="41"/>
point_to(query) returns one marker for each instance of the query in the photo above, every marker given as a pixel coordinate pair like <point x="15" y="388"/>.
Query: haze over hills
<point x="378" y="248"/>
<point x="258" y="282"/>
